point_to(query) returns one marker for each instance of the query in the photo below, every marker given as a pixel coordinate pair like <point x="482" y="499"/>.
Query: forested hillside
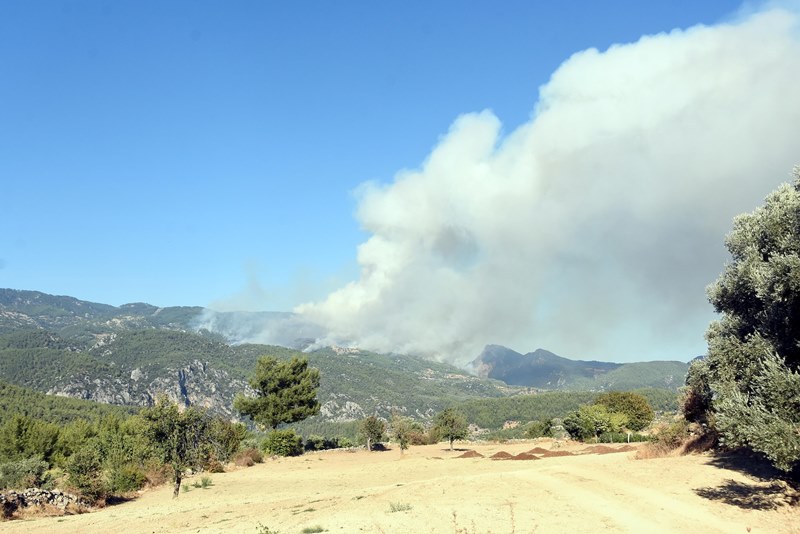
<point x="544" y="370"/>
<point x="16" y="400"/>
<point x="133" y="367"/>
<point x="128" y="355"/>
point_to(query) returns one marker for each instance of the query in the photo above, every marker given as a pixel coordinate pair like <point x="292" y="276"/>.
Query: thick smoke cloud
<point x="593" y="229"/>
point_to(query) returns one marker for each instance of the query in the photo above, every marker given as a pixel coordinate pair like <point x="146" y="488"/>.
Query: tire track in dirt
<point x="622" y="504"/>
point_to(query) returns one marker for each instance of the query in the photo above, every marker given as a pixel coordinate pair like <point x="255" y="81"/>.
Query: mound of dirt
<point x="525" y="456"/>
<point x="626" y="448"/>
<point x="502" y="455"/>
<point x="470" y="454"/>
<point x="538" y="450"/>
<point x="552" y="454"/>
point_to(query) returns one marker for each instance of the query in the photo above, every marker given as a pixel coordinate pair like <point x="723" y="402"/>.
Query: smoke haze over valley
<point x="594" y="228"/>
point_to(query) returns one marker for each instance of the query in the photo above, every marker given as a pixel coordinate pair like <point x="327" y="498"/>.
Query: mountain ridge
<point x="546" y="370"/>
<point x="130" y="354"/>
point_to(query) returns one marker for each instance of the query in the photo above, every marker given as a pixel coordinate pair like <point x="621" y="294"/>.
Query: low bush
<point x="344" y="442"/>
<point x="86" y="474"/>
<point x="399" y="507"/>
<point x="318" y="443"/>
<point x="248" y="457"/>
<point x="126" y="479"/>
<point x="214" y="466"/>
<point x="21" y="474"/>
<point x="416" y="437"/>
<point x="284" y="443"/>
<point x="666" y="440"/>
<point x="156" y="474"/>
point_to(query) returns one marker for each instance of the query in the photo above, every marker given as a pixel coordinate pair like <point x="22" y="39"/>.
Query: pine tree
<point x="286" y="392"/>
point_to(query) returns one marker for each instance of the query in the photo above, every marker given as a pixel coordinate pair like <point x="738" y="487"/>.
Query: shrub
<point x="126" y="478"/>
<point x="214" y="466"/>
<point x="318" y="443"/>
<point x="22" y="474"/>
<point x="673" y="435"/>
<point x="591" y="420"/>
<point x="343" y="442"/>
<point x="667" y="439"/>
<point x="284" y="443"/>
<point x="314" y="443"/>
<point x="538" y="429"/>
<point x="399" y="507"/>
<point x="248" y="458"/>
<point x="156" y="474"/>
<point x="85" y="473"/>
<point x="264" y="529"/>
<point x="415" y="437"/>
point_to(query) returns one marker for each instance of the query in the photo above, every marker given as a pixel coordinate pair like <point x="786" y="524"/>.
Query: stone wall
<point x="13" y="501"/>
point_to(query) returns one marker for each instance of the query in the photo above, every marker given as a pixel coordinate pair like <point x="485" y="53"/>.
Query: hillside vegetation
<point x="130" y="354"/>
<point x="545" y="370"/>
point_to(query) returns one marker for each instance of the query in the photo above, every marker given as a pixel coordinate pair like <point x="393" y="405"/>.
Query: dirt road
<point x="430" y="490"/>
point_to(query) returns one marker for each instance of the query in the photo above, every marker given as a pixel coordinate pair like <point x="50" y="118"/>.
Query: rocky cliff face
<point x="194" y="384"/>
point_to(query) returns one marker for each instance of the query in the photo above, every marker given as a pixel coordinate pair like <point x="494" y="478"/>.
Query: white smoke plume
<point x="593" y="229"/>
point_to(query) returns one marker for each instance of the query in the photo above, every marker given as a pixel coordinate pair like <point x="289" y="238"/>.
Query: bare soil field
<point x="430" y="489"/>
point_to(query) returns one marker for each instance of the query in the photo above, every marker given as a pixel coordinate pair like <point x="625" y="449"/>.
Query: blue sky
<point x="212" y="153"/>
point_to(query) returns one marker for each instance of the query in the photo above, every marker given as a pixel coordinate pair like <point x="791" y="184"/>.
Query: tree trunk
<point x="177" y="488"/>
<point x="369" y="445"/>
<point x="451" y="444"/>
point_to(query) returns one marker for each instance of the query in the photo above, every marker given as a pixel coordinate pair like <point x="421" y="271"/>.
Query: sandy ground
<point x="437" y="492"/>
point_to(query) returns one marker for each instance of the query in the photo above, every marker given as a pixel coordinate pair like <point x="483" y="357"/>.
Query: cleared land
<point x="432" y="490"/>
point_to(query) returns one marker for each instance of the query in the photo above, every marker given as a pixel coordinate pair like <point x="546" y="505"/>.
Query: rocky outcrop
<point x="340" y="409"/>
<point x="193" y="384"/>
<point x="13" y="501"/>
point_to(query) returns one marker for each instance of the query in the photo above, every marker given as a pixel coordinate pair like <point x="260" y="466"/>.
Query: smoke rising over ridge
<point x="593" y="228"/>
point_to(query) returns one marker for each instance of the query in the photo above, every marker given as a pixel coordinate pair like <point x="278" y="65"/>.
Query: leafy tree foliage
<point x="633" y="406"/>
<point x="372" y="430"/>
<point x="286" y="392"/>
<point x="451" y="425"/>
<point x="103" y="449"/>
<point x="748" y="384"/>
<point x="492" y="413"/>
<point x="402" y="428"/>
<point x="591" y="420"/>
<point x="181" y="438"/>
<point x="23" y="437"/>
<point x="85" y="469"/>
<point x="538" y="429"/>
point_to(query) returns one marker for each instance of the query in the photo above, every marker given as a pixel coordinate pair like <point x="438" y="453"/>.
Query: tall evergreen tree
<point x="286" y="392"/>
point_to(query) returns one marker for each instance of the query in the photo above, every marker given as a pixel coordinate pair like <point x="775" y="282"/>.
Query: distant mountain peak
<point x="546" y="370"/>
